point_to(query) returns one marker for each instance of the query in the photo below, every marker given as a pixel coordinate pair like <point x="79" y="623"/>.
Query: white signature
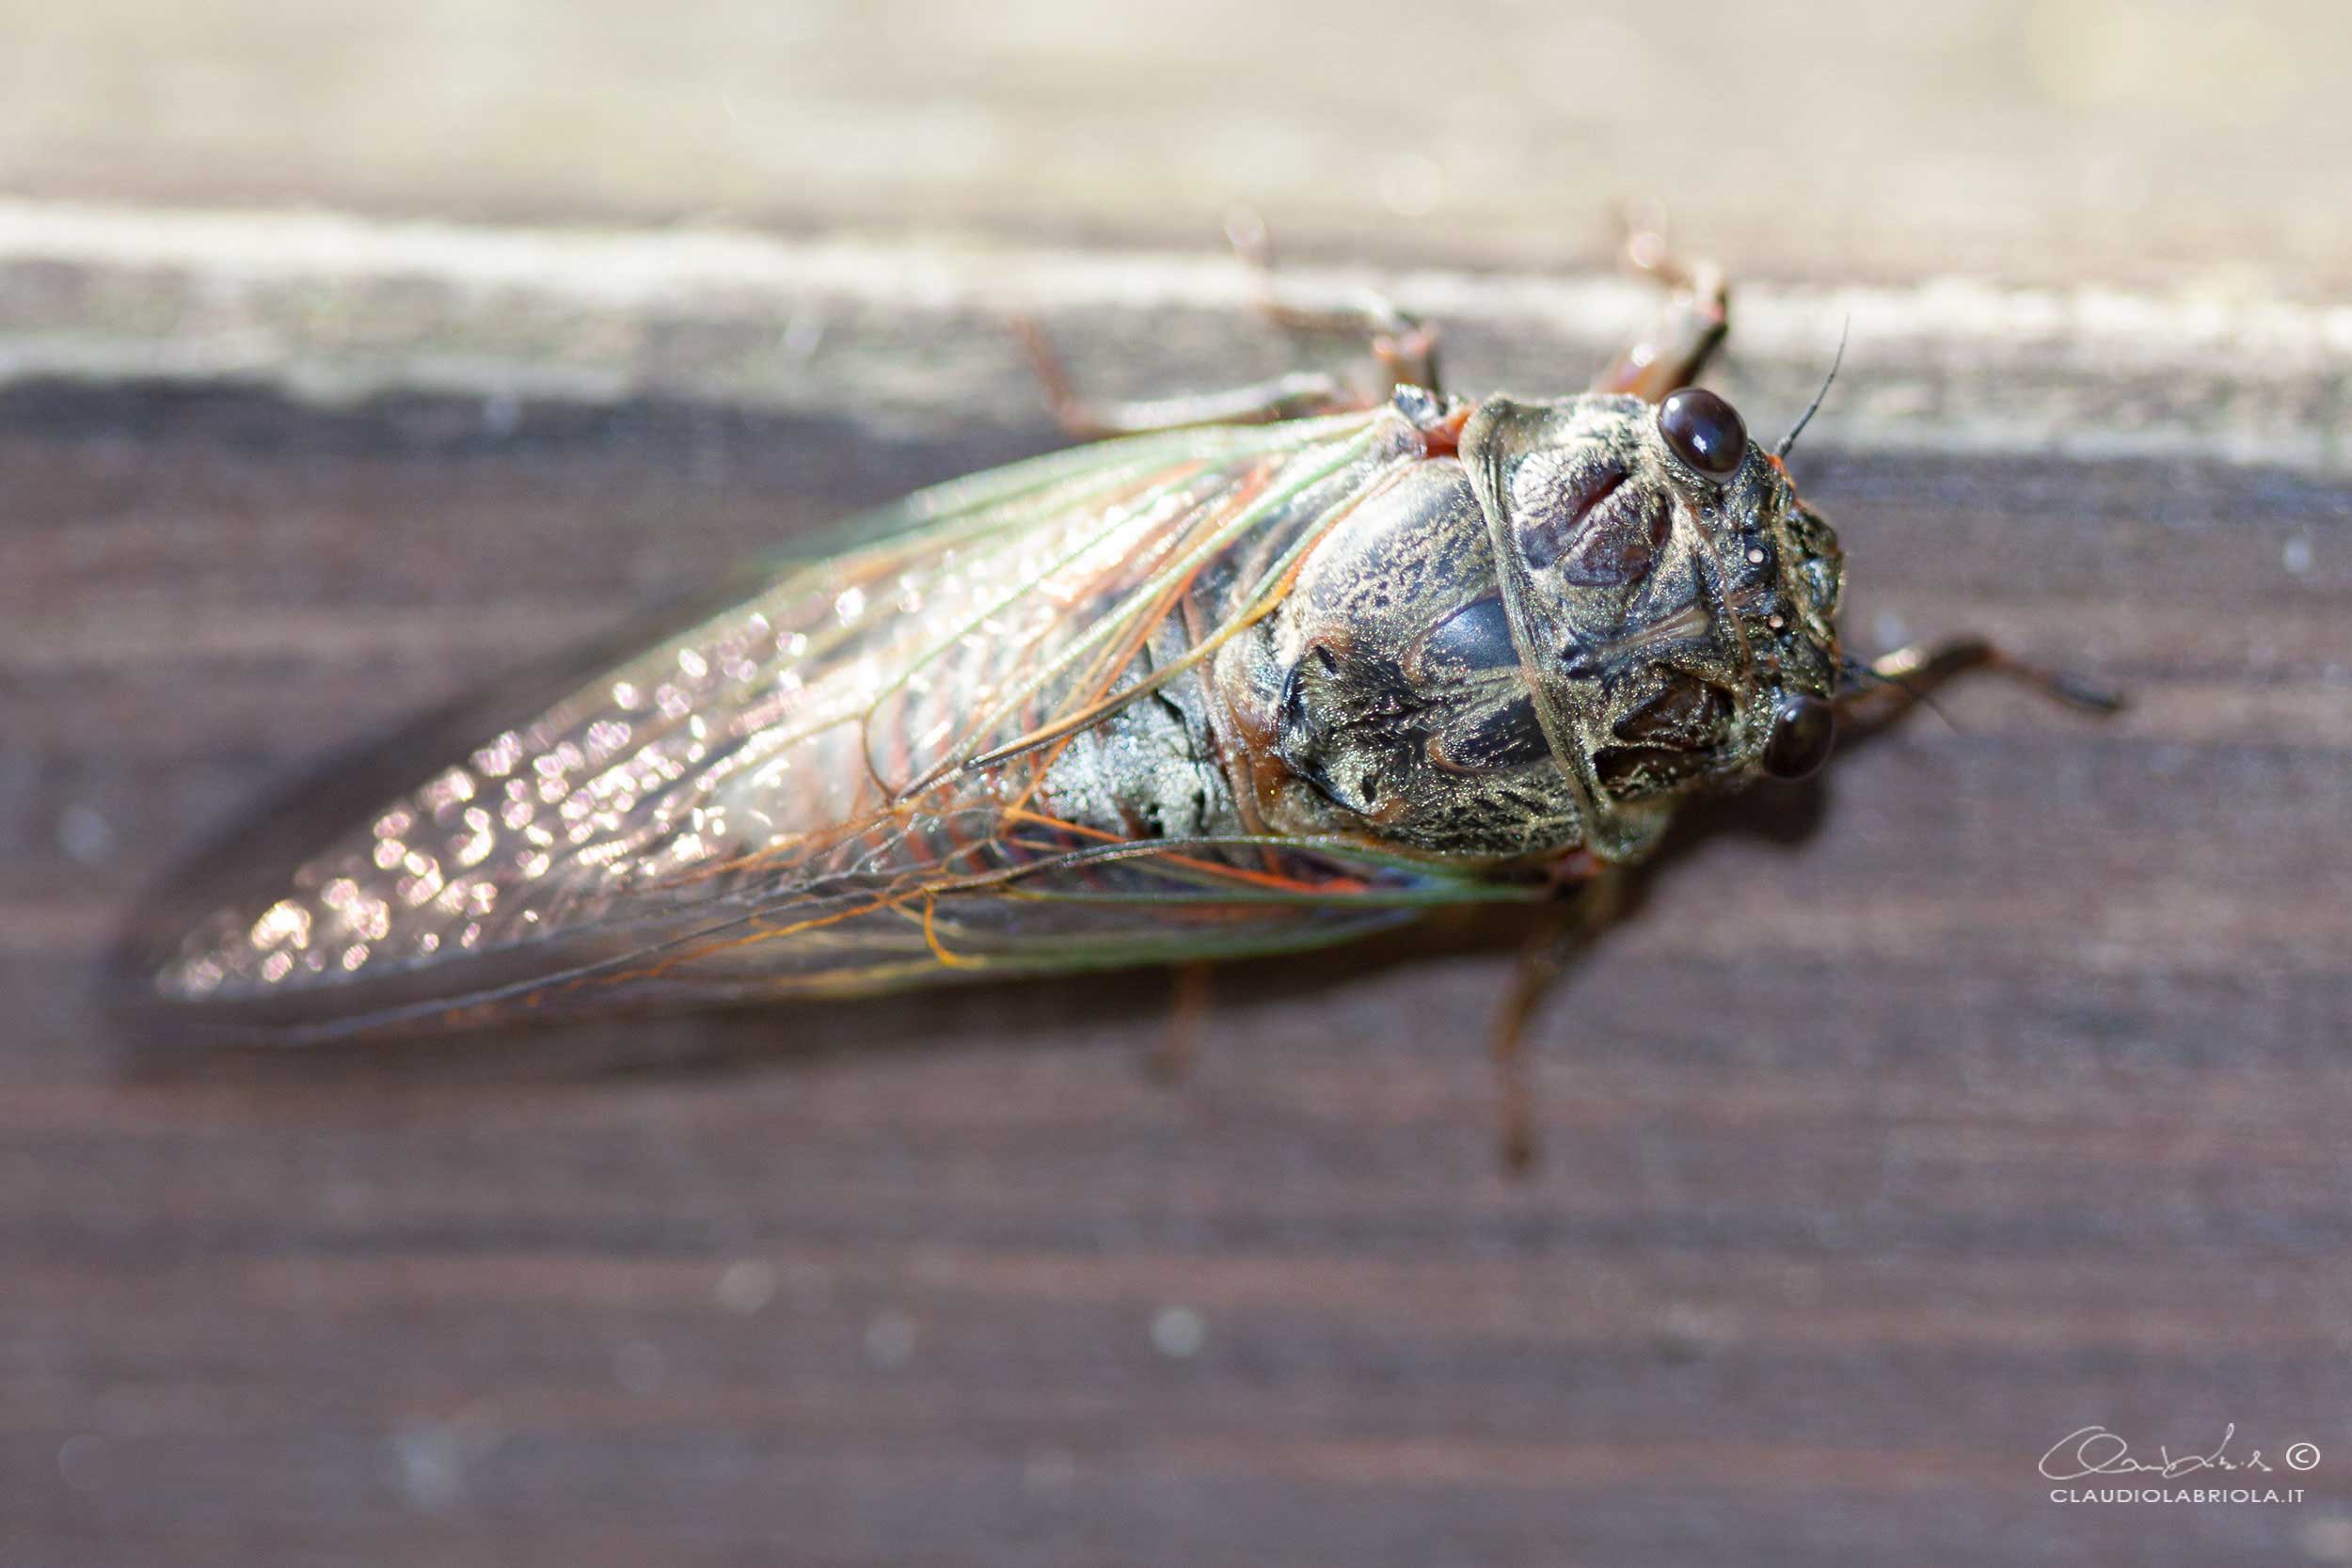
<point x="2094" y="1450"/>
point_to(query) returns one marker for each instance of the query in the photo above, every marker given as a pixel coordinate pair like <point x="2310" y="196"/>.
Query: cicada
<point x="1221" y="688"/>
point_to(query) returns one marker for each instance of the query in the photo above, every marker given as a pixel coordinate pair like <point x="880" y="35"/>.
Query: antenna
<point x="1788" y="442"/>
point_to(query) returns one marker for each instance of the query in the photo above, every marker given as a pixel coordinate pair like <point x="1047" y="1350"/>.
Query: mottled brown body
<point x="1527" y="647"/>
<point x="1204" y="692"/>
<point x="1662" y="616"/>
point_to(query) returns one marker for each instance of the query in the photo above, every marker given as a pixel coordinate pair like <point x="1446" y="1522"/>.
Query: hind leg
<point x="1402" y="348"/>
<point x="1297" y="396"/>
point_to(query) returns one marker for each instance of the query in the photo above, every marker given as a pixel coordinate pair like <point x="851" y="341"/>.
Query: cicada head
<point x="1672" y="600"/>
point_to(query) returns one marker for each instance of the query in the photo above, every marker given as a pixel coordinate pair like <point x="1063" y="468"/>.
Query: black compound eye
<point x="1803" y="730"/>
<point x="1705" y="431"/>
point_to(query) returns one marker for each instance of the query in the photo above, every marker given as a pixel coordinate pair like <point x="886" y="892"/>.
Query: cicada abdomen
<point x="935" y="752"/>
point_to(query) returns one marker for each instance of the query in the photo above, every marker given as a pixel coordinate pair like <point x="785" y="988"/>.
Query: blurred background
<point x="1990" y="1088"/>
<point x="2043" y="139"/>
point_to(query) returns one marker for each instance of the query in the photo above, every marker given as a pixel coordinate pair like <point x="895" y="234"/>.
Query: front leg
<point x="1685" y="334"/>
<point x="1891" y="686"/>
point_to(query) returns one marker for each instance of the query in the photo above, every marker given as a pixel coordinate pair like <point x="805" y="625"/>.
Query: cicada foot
<point x="1298" y="395"/>
<point x="1891" y="686"/>
<point x="1675" y="350"/>
<point x="1179" y="1045"/>
<point x="1564" y="930"/>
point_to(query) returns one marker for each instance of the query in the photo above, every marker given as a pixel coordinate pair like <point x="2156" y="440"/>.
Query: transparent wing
<point x="833" y="785"/>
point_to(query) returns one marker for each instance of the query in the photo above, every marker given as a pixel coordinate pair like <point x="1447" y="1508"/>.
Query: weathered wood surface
<point x="1995" y="1086"/>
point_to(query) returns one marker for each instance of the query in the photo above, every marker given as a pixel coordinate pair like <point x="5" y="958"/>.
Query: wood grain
<point x="1993" y="1087"/>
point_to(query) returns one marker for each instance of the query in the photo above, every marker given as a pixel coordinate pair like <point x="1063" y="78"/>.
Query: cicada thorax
<point x="1534" y="646"/>
<point x="1384" y="696"/>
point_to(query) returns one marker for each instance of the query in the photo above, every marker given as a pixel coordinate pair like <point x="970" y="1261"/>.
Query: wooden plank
<point x="1989" y="1088"/>
<point x="914" y="338"/>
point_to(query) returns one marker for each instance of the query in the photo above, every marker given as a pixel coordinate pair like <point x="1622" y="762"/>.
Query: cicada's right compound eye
<point x="1805" y="729"/>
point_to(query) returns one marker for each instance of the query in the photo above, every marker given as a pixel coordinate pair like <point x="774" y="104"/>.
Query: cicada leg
<point x="1283" y="397"/>
<point x="1403" y="350"/>
<point x="1403" y="346"/>
<point x="1173" y="1053"/>
<point x="1895" y="683"/>
<point x="1559" y="937"/>
<point x="1685" y="334"/>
